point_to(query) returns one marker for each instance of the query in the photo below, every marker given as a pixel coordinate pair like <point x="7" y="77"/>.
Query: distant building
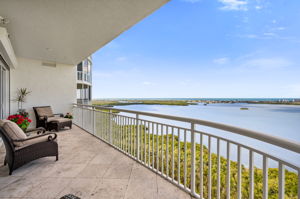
<point x="84" y="81"/>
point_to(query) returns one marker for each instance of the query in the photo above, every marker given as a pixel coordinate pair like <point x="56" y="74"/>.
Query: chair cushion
<point x="2" y="122"/>
<point x="44" y="111"/>
<point x="32" y="141"/>
<point x="58" y="119"/>
<point x="14" y="132"/>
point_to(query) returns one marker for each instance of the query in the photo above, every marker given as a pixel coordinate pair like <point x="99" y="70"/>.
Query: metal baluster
<point x="281" y="181"/>
<point x="178" y="158"/>
<point x="137" y="137"/>
<point x="126" y="134"/>
<point x="167" y="151"/>
<point x="184" y="162"/>
<point x="93" y="119"/>
<point x="218" y="169"/>
<point x="251" y="173"/>
<point x="141" y="140"/>
<point x="228" y="172"/>
<point x="145" y="141"/>
<point x="172" y="153"/>
<point x="131" y="144"/>
<point x="162" y="149"/>
<point x="157" y="152"/>
<point x="149" y="144"/>
<point x="239" y="176"/>
<point x="265" y="177"/>
<point x="209" y="167"/>
<point x="153" y="145"/>
<point x="110" y="126"/>
<point x="193" y="158"/>
<point x="201" y="166"/>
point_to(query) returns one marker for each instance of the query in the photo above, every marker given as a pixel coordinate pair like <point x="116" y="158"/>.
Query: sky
<point x="205" y="48"/>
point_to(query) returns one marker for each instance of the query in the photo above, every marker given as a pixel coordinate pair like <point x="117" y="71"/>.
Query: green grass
<point x="128" y="136"/>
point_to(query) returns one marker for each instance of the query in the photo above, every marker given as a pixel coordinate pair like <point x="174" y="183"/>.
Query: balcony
<point x="189" y="154"/>
<point x="84" y="77"/>
<point x="88" y="168"/>
<point x="129" y="154"/>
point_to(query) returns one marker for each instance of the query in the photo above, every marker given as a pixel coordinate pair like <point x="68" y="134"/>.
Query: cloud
<point x="267" y="63"/>
<point x="258" y="7"/>
<point x="223" y="60"/>
<point x="146" y="83"/>
<point x="269" y="34"/>
<point x="237" y="5"/>
<point x="121" y="59"/>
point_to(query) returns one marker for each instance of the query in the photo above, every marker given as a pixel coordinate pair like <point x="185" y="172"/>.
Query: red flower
<point x="29" y="120"/>
<point x="20" y="121"/>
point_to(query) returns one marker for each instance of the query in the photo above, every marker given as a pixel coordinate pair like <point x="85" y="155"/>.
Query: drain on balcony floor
<point x="69" y="196"/>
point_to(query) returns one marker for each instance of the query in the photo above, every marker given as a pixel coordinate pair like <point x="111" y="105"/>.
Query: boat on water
<point x="244" y="108"/>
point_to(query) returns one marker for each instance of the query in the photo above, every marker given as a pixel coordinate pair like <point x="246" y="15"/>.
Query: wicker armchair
<point x="50" y="121"/>
<point x="21" y="149"/>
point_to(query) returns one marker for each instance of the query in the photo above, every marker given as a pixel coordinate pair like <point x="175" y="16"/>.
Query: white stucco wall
<point x="54" y="86"/>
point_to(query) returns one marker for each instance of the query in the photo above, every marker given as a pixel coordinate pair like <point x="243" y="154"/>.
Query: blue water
<point x="212" y="99"/>
<point x="277" y="120"/>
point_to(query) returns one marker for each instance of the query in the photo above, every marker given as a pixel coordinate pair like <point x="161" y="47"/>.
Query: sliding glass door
<point x="4" y="90"/>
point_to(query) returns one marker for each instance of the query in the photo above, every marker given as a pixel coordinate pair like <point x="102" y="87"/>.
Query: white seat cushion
<point x="32" y="141"/>
<point x="44" y="111"/>
<point x="14" y="132"/>
<point x="58" y="119"/>
<point x="2" y="122"/>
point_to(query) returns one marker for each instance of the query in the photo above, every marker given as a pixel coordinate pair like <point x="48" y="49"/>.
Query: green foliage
<point x="148" y="102"/>
<point x="21" y="96"/>
<point x="154" y="149"/>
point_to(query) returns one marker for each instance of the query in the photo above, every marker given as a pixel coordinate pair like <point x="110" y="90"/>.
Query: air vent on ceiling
<point x="49" y="64"/>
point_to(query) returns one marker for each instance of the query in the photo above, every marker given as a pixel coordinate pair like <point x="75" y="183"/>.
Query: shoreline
<point x="187" y="102"/>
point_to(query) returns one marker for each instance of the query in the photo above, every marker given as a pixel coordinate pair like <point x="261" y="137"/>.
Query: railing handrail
<point x="274" y="140"/>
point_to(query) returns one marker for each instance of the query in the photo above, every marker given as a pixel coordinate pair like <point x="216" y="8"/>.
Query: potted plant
<point x="69" y="115"/>
<point x="20" y="120"/>
<point x="21" y="98"/>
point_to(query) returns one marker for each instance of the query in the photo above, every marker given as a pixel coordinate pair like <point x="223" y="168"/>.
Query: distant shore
<point x="186" y="102"/>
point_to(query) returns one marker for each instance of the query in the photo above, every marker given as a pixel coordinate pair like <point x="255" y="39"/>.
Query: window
<point x="4" y="90"/>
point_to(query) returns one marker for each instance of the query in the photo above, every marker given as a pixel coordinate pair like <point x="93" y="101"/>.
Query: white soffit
<point x="68" y="31"/>
<point x="6" y="50"/>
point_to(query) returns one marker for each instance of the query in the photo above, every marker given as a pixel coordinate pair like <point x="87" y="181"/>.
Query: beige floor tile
<point x="110" y="189"/>
<point x="81" y="187"/>
<point x="94" y="171"/>
<point x="118" y="171"/>
<point x="19" y="188"/>
<point x="64" y="170"/>
<point x="142" y="189"/>
<point x="49" y="188"/>
<point x="167" y="190"/>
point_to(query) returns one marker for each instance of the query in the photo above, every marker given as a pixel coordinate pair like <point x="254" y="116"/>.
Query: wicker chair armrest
<point x="38" y="130"/>
<point x="51" y="136"/>
<point x="43" y="117"/>
<point x="59" y="114"/>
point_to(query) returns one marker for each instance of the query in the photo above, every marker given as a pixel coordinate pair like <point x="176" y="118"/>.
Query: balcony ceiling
<point x="67" y="31"/>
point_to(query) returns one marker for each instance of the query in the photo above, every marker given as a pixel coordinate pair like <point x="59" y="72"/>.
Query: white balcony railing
<point x="83" y="76"/>
<point x="207" y="165"/>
